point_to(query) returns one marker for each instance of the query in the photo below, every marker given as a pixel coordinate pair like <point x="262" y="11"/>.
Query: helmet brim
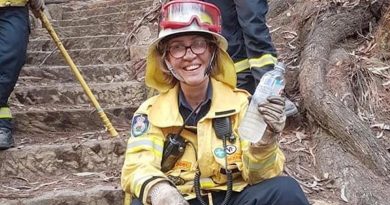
<point x="154" y="76"/>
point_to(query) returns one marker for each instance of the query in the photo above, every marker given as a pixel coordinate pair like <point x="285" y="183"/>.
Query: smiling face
<point x="189" y="56"/>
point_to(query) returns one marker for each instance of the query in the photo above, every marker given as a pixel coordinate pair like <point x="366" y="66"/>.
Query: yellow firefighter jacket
<point x="5" y="3"/>
<point x="159" y="116"/>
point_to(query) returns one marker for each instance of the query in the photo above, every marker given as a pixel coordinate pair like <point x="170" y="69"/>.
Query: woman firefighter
<point x="184" y="146"/>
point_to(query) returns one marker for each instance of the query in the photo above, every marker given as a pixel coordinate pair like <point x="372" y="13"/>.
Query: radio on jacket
<point x="174" y="148"/>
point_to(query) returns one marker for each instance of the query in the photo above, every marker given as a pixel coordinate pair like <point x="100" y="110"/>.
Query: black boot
<point x="6" y="139"/>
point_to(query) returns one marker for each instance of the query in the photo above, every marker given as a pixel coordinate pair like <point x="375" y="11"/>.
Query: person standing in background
<point x="249" y="42"/>
<point x="14" y="32"/>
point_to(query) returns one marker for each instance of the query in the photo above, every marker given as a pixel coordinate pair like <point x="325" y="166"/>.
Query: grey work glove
<point x="274" y="113"/>
<point x="36" y="6"/>
<point x="164" y="194"/>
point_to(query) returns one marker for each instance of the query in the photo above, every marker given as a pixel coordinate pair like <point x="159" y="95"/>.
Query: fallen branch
<point x="43" y="185"/>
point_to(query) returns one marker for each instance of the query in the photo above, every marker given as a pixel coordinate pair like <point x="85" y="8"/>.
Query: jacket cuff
<point x="147" y="186"/>
<point x="266" y="144"/>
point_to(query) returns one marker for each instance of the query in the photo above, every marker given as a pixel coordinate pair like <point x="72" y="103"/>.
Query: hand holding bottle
<point x="253" y="125"/>
<point x="274" y="113"/>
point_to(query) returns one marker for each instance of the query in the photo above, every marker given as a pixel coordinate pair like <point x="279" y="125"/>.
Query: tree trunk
<point x="348" y="139"/>
<point x="382" y="36"/>
<point x="357" y="184"/>
<point x="330" y="113"/>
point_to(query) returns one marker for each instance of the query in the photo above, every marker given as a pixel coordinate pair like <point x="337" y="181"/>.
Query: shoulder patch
<point x="230" y="149"/>
<point x="139" y="125"/>
<point x="219" y="152"/>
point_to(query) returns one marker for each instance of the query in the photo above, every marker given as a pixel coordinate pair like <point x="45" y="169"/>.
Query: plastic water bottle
<point x="252" y="126"/>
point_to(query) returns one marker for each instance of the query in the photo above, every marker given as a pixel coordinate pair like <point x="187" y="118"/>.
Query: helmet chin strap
<point x="210" y="66"/>
<point x="176" y="75"/>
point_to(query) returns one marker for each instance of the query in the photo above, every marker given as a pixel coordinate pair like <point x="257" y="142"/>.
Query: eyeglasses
<point x="178" y="50"/>
<point x="179" y="14"/>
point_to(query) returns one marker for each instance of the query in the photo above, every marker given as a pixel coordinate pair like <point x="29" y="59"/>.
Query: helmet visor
<point x="179" y="14"/>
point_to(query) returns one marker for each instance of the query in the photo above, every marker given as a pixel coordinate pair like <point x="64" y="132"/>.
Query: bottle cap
<point x="281" y="66"/>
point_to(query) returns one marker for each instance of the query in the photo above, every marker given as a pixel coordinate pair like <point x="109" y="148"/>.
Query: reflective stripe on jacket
<point x="5" y="3"/>
<point x="5" y="113"/>
<point x="142" y="165"/>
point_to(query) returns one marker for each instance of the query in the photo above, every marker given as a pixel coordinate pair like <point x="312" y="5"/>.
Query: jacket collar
<point x="165" y="110"/>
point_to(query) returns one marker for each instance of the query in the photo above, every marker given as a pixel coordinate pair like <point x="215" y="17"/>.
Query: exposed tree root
<point x="349" y="132"/>
<point x="356" y="184"/>
<point x="277" y="7"/>
<point x="330" y="113"/>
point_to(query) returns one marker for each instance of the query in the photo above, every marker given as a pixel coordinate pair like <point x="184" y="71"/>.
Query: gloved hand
<point x="274" y="113"/>
<point x="36" y="6"/>
<point x="164" y="194"/>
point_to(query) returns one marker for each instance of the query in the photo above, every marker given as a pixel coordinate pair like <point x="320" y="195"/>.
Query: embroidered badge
<point x="139" y="125"/>
<point x="236" y="157"/>
<point x="219" y="152"/>
<point x="231" y="149"/>
<point x="183" y="165"/>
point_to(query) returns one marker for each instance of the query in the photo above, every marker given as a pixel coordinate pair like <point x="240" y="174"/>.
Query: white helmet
<point x="188" y="16"/>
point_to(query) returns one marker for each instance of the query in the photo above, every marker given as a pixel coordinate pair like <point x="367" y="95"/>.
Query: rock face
<point x="63" y="154"/>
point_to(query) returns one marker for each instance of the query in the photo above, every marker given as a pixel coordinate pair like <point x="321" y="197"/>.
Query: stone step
<point x="97" y="195"/>
<point x="83" y="5"/>
<point x="84" y="155"/>
<point x="107" y="8"/>
<point x="128" y="17"/>
<point x="85" y="30"/>
<point x="86" y="12"/>
<point x="81" y="169"/>
<point x="103" y="73"/>
<point x="73" y="94"/>
<point x="57" y="118"/>
<point x="85" y="42"/>
<point x="80" y="56"/>
<point x="102" y="4"/>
